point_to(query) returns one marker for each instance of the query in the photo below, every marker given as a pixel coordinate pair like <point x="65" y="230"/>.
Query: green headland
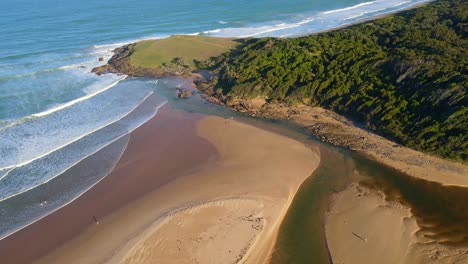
<point x="403" y="76"/>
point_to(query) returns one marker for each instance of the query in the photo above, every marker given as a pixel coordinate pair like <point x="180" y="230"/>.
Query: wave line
<point x="90" y="154"/>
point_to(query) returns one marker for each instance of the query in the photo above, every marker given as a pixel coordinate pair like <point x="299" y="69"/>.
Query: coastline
<point x="416" y="5"/>
<point x="72" y="219"/>
<point x="326" y="125"/>
<point x="216" y="164"/>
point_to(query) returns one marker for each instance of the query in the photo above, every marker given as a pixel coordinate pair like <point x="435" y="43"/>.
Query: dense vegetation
<point x="404" y="76"/>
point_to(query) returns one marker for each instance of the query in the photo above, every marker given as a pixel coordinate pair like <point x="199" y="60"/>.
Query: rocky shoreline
<point x="120" y="63"/>
<point x="326" y="125"/>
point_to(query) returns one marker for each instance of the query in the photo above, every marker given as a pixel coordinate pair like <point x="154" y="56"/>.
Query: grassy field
<point x="154" y="53"/>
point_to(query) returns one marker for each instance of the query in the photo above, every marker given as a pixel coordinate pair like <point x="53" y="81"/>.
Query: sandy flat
<point x="340" y="131"/>
<point x="228" y="229"/>
<point x="362" y="227"/>
<point x="228" y="212"/>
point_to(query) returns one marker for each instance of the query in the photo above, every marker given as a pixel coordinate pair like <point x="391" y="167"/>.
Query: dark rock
<point x="182" y="93"/>
<point x="102" y="69"/>
<point x="101" y="59"/>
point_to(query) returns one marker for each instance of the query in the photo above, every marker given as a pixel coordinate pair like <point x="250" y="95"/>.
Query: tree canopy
<point x="404" y="76"/>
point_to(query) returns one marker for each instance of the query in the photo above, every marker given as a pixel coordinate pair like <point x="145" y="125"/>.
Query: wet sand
<point x="188" y="189"/>
<point x="153" y="141"/>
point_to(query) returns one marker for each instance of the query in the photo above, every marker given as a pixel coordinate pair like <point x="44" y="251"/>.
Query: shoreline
<point x="79" y="213"/>
<point x="416" y="5"/>
<point x="157" y="206"/>
<point x="180" y="179"/>
<point x="216" y="185"/>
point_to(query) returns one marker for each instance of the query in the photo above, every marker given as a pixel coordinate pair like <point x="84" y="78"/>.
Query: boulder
<point x="183" y="93"/>
<point x="102" y="69"/>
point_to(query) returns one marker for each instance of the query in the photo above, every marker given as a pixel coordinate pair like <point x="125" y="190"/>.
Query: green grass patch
<point x="155" y="53"/>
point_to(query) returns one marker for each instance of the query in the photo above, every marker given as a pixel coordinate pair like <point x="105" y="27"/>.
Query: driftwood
<point x="358" y="236"/>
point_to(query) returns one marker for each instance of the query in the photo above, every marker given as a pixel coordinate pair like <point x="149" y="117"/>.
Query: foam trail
<point x="65" y="105"/>
<point x="31" y="220"/>
<point x="26" y="177"/>
<point x="347" y="8"/>
<point x="5" y="172"/>
<point x="109" y="46"/>
<point x="71" y="67"/>
<point x="38" y="137"/>
<point x="315" y="22"/>
<point x="65" y="198"/>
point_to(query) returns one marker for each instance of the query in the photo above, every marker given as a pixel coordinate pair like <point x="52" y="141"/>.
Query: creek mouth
<point x="440" y="211"/>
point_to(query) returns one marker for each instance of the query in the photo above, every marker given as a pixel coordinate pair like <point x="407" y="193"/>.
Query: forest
<point x="404" y="76"/>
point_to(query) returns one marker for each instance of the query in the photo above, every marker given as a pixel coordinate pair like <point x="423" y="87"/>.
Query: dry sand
<point x="340" y="131"/>
<point x="362" y="227"/>
<point x="227" y="212"/>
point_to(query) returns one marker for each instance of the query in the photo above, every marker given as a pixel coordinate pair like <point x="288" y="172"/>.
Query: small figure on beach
<point x="95" y="220"/>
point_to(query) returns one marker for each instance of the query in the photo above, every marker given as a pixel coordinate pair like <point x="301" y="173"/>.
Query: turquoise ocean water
<point x="57" y="117"/>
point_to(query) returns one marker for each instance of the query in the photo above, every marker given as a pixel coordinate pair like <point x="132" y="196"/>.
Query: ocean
<point x="62" y="128"/>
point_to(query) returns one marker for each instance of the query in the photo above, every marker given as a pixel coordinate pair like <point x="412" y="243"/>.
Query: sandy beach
<point x="362" y="227"/>
<point x="128" y="182"/>
<point x="189" y="189"/>
<point x="340" y="131"/>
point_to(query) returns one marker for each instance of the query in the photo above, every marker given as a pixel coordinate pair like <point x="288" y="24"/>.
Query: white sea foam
<point x="315" y="22"/>
<point x="347" y="8"/>
<point x="84" y="190"/>
<point x="63" y="161"/>
<point x="5" y="172"/>
<point x="36" y="137"/>
<point x="70" y="103"/>
<point x="109" y="46"/>
<point x="15" y="229"/>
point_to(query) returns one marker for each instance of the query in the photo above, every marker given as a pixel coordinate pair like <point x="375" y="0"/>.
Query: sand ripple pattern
<point x="202" y="234"/>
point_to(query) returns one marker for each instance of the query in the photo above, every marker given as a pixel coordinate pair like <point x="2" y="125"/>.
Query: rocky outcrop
<point x="183" y="93"/>
<point x="102" y="69"/>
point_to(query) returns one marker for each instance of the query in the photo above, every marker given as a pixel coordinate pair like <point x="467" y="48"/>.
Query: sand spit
<point x="228" y="212"/>
<point x="362" y="227"/>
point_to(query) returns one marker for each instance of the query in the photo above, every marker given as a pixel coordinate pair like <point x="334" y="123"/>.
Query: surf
<point x="25" y="177"/>
<point x="36" y="129"/>
<point x="150" y="107"/>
